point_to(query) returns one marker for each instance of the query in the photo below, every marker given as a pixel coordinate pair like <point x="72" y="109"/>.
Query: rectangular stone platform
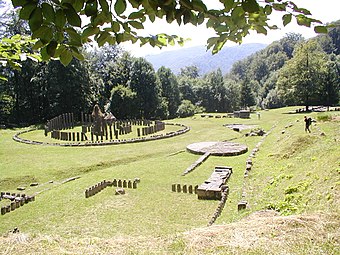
<point x="211" y="188"/>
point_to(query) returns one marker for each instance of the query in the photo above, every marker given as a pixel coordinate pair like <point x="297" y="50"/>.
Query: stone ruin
<point x="121" y="184"/>
<point x="216" y="184"/>
<point x="100" y="126"/>
<point x="16" y="201"/>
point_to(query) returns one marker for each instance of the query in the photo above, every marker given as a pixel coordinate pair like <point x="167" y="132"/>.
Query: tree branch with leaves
<point x="62" y="26"/>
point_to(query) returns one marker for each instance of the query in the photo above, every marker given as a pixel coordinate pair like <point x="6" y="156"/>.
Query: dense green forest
<point x="291" y="71"/>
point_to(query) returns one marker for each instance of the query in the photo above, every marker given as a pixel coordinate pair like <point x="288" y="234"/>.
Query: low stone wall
<point x="95" y="189"/>
<point x="15" y="201"/>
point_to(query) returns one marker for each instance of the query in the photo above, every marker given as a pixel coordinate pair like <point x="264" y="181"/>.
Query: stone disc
<point x="217" y="148"/>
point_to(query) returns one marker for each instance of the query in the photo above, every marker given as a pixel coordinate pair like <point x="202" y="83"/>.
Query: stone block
<point x="190" y="190"/>
<point x="173" y="187"/>
<point x="242" y="205"/>
<point x="120" y="191"/>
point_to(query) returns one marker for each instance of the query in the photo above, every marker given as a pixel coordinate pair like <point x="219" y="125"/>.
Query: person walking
<point x="308" y="122"/>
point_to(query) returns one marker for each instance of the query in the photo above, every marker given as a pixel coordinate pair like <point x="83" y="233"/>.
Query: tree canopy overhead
<point x="62" y="26"/>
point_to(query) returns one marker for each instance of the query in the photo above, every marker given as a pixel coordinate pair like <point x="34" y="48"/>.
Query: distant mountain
<point x="204" y="60"/>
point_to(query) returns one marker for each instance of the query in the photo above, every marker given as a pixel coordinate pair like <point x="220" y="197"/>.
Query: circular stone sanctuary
<point x="217" y="148"/>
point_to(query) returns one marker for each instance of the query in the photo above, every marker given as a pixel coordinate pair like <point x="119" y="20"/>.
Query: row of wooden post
<point x="184" y="188"/>
<point x="63" y="121"/>
<point x="17" y="200"/>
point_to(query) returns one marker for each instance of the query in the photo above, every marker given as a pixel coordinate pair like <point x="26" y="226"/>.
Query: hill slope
<point x="204" y="60"/>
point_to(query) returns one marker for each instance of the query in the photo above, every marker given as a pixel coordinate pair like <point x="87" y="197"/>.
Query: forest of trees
<point x="291" y="71"/>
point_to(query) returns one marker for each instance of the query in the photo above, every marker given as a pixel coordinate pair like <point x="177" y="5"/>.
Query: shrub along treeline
<point x="291" y="71"/>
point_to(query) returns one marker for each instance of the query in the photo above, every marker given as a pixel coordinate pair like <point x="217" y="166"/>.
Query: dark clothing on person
<point x="308" y="122"/>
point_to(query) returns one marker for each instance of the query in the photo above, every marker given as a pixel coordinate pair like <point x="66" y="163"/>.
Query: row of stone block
<point x="17" y="200"/>
<point x="249" y="164"/>
<point x="184" y="188"/>
<point x="93" y="190"/>
<point x="198" y="162"/>
<point x="221" y="204"/>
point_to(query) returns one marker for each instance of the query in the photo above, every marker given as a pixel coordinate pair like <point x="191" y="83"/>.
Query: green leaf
<point x="38" y="45"/>
<point x="103" y="38"/>
<point x="91" y="8"/>
<point x="115" y="27"/>
<point x="250" y="6"/>
<point x="120" y="6"/>
<point x="44" y="54"/>
<point x="48" y="12"/>
<point x="51" y="47"/>
<point x="45" y="33"/>
<point x="136" y="15"/>
<point x="321" y="29"/>
<point x="66" y="57"/>
<point x="228" y="4"/>
<point x="303" y="20"/>
<point x="59" y="50"/>
<point x="268" y="10"/>
<point x="77" y="54"/>
<point x="74" y="36"/>
<point x="104" y="5"/>
<point x="60" y="18"/>
<point x="72" y="16"/>
<point x="90" y="31"/>
<point x="17" y="3"/>
<point x="78" y="5"/>
<point x="134" y="3"/>
<point x="136" y="24"/>
<point x="27" y="10"/>
<point x="36" y="19"/>
<point x="199" y="6"/>
<point x="287" y="18"/>
<point x="261" y="30"/>
<point x="279" y="7"/>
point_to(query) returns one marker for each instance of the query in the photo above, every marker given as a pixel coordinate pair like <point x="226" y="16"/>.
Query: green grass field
<point x="294" y="173"/>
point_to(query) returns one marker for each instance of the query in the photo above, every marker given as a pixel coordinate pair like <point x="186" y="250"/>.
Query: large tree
<point x="170" y="90"/>
<point x="144" y="82"/>
<point x="301" y="79"/>
<point x="60" y="28"/>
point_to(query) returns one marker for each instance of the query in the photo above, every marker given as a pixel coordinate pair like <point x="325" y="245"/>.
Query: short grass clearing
<point x="294" y="173"/>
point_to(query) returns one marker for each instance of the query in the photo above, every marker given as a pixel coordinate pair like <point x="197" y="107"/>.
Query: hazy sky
<point x="324" y="10"/>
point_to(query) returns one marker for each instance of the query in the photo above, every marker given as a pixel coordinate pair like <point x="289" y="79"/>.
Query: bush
<point x="187" y="109"/>
<point x="324" y="117"/>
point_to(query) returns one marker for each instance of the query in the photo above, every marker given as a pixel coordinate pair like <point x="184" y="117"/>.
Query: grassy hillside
<point x="294" y="173"/>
